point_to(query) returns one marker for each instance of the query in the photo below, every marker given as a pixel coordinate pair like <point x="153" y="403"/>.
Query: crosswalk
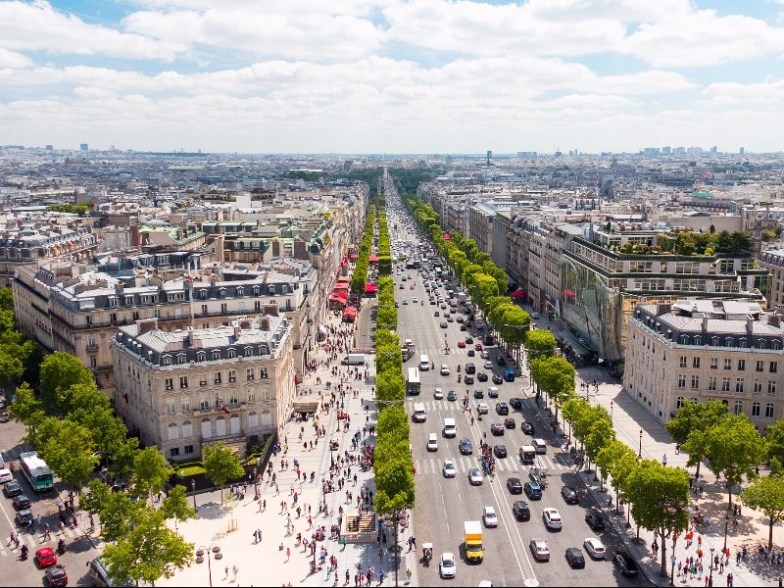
<point x="433" y="352"/>
<point x="510" y="465"/>
<point x="437" y="406"/>
<point x="33" y="541"/>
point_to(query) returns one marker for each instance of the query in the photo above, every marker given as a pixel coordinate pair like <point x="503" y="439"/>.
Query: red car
<point x="461" y="344"/>
<point x="46" y="557"/>
<point x="478" y="347"/>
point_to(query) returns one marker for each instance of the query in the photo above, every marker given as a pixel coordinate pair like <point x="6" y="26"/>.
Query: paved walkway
<point x="277" y="560"/>
<point x="751" y="530"/>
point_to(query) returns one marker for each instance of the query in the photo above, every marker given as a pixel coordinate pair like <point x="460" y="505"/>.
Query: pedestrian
<point x="288" y="554"/>
<point x="235" y="569"/>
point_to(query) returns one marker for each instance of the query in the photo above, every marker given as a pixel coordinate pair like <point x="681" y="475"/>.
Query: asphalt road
<point x="442" y="505"/>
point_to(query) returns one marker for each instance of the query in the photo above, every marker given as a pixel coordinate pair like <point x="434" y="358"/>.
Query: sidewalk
<point x="232" y="526"/>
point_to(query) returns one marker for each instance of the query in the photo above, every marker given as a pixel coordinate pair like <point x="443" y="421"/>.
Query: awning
<point x="518" y="294"/>
<point x="350" y="312"/>
<point x="353" y="256"/>
<point x="337" y="299"/>
<point x="340" y="290"/>
<point x="447" y="237"/>
<point x="370" y="288"/>
<point x="373" y="258"/>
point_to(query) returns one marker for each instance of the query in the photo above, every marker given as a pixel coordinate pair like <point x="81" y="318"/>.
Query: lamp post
<point x="726" y="526"/>
<point x="209" y="552"/>
<point x="193" y="487"/>
<point x="611" y="411"/>
<point x="710" y="578"/>
<point x="673" y="559"/>
<point x="639" y="453"/>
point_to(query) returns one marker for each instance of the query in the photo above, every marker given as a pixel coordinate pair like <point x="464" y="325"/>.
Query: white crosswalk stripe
<point x="511" y="464"/>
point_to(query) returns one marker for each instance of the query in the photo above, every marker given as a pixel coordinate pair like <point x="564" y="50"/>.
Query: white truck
<point x="354" y="359"/>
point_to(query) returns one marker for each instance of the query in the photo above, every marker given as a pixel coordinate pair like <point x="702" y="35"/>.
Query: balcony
<point x="91" y="347"/>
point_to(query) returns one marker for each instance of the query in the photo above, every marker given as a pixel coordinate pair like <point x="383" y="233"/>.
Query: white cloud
<point x="726" y="95"/>
<point x="13" y="60"/>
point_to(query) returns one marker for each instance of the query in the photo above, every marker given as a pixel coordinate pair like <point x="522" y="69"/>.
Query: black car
<point x="527" y="428"/>
<point x="55" y="576"/>
<point x="497" y="380"/>
<point x="471" y="353"/>
<point x="479" y="393"/>
<point x="482" y="377"/>
<point x="470" y="368"/>
<point x="451" y="395"/>
<point x="469" y="340"/>
<point x="12" y="489"/>
<point x="463" y="327"/>
<point x="501" y="360"/>
<point x="502" y="408"/>
<point x="569" y="495"/>
<point x="516" y="403"/>
<point x="595" y="520"/>
<point x="521" y="511"/>
<point x="509" y="423"/>
<point x="22" y="502"/>
<point x="575" y="558"/>
<point x="625" y="563"/>
<point x="465" y="447"/>
<point x="532" y="490"/>
<point x="469" y="380"/>
<point x="514" y="485"/>
<point x="497" y="429"/>
<point x="500" y="451"/>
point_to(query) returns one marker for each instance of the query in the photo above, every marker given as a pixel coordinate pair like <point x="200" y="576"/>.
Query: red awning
<point x="337" y="299"/>
<point x="518" y="294"/>
<point x="353" y="256"/>
<point x="373" y="258"/>
<point x="370" y="288"/>
<point x="344" y="261"/>
<point x="350" y="311"/>
<point x="447" y="237"/>
<point x="341" y="295"/>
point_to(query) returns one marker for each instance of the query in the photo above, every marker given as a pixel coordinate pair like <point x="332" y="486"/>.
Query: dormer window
<point x="240" y="291"/>
<point x="203" y="294"/>
<point x="166" y="360"/>
<point x="271" y="289"/>
<point x="216" y="355"/>
<point x="201" y="356"/>
<point x="222" y="292"/>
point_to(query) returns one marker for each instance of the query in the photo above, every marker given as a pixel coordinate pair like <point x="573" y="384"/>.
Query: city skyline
<point x="391" y="76"/>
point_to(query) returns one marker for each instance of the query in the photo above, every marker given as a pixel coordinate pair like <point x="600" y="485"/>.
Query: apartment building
<point x="773" y="261"/>
<point x="696" y="350"/>
<point x="182" y="390"/>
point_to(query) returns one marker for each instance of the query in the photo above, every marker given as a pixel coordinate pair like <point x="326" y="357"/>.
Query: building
<point x="698" y="350"/>
<point x="181" y="390"/>
<point x="773" y="261"/>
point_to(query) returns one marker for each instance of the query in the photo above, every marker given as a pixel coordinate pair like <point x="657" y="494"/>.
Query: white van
<point x="424" y="363"/>
<point x="420" y="414"/>
<point x="540" y="445"/>
<point x="527" y="454"/>
<point x="432" y="442"/>
<point x="450" y="428"/>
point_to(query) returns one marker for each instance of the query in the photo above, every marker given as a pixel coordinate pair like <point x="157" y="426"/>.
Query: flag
<point x="225" y="409"/>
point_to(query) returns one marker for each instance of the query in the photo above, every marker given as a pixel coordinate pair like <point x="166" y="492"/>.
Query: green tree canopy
<point x="176" y="506"/>
<point x="68" y="449"/>
<point x="766" y="494"/>
<point x="151" y="471"/>
<point x="221" y="464"/>
<point x="689" y="425"/>
<point x="60" y="371"/>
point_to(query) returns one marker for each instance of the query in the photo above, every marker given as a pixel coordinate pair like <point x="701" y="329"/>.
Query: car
<point x="532" y="490"/>
<point x="450" y="319"/>
<point x="492" y="392"/>
<point x="12" y="488"/>
<point x="460" y="319"/>
<point x="436" y="314"/>
<point x="446" y="565"/>
<point x="488" y="365"/>
<point x="478" y="347"/>
<point x="502" y="408"/>
<point x="481" y="408"/>
<point x="444" y="370"/>
<point x="449" y="469"/>
<point x="482" y="377"/>
<point x="461" y="344"/>
<point x="497" y="429"/>
<point x="469" y="340"/>
<point x="405" y="303"/>
<point x="570" y="495"/>
<point x="23" y="517"/>
<point x="574" y="557"/>
<point x="438" y="394"/>
<point x="451" y="396"/>
<point x="516" y="403"/>
<point x="527" y="428"/>
<point x="538" y="476"/>
<point x="22" y="501"/>
<point x="509" y="423"/>
<point x="514" y="485"/>
<point x="465" y="447"/>
<point x="462" y="327"/>
<point x="6" y="476"/>
<point x="45" y="556"/>
<point x="415" y="300"/>
<point x="471" y="353"/>
<point x="489" y="517"/>
<point x="475" y="477"/>
<point x="470" y="368"/>
<point x="497" y="380"/>
<point x="500" y="451"/>
<point x="402" y="287"/>
<point x="552" y="519"/>
<point x="501" y="361"/>
<point x="442" y="306"/>
<point x="468" y="380"/>
<point x="485" y="354"/>
<point x="539" y="549"/>
<point x="521" y="511"/>
<point x="56" y="576"/>
<point x="595" y="548"/>
<point x="594" y="519"/>
<point x="443" y="324"/>
<point x="479" y="393"/>
<point x="403" y="279"/>
<point x="625" y="563"/>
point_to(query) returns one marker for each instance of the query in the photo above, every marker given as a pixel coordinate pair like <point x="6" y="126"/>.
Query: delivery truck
<point x="474" y="549"/>
<point x="354" y="359"/>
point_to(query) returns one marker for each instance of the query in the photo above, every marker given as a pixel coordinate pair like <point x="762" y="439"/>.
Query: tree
<point x="221" y="464"/>
<point x="60" y="371"/>
<point x="175" y="505"/>
<point x="774" y="435"/>
<point x="151" y="471"/>
<point x="766" y="494"/>
<point x="115" y="510"/>
<point x="621" y="471"/>
<point x="735" y="448"/>
<point x="689" y="425"/>
<point x="69" y="451"/>
<point x="27" y="409"/>
<point x="609" y="455"/>
<point x="148" y="551"/>
<point x="659" y="497"/>
<point x="540" y="343"/>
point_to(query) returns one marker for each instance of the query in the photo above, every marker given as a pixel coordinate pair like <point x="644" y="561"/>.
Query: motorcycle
<point x="61" y="546"/>
<point x="459" y="377"/>
<point x="24" y="551"/>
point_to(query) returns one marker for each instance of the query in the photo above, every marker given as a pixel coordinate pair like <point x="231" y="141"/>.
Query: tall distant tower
<point x="742" y="150"/>
<point x="489" y="157"/>
<point x="83" y="147"/>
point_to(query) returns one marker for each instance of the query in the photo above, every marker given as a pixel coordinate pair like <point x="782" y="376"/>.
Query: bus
<point x="413" y="383"/>
<point x="36" y="471"/>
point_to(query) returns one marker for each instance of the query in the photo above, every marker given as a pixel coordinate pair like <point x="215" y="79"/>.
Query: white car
<point x="595" y="548"/>
<point x="447" y="567"/>
<point x="485" y="354"/>
<point x="539" y="549"/>
<point x="475" y="477"/>
<point x="5" y="476"/>
<point x="444" y="369"/>
<point x="552" y="519"/>
<point x="438" y="394"/>
<point x="488" y="365"/>
<point x="489" y="517"/>
<point x="481" y="408"/>
<point x="416" y="299"/>
<point x="449" y="469"/>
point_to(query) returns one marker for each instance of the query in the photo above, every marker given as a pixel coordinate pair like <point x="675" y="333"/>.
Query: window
<point x="727" y="363"/>
<point x="249" y="352"/>
<point x="251" y="397"/>
<point x="201" y="356"/>
<point x="204" y="310"/>
<point x="250" y="374"/>
<point x="755" y="409"/>
<point x="695" y="382"/>
<point x="233" y="401"/>
<point x="739" y="385"/>
<point x="216" y="355"/>
<point x="185" y="404"/>
<point x="741" y="365"/>
<point x="224" y="308"/>
<point x="232" y="376"/>
<point x="771" y="387"/>
<point x="680" y="402"/>
<point x="715" y="341"/>
<point x="203" y="381"/>
<point x="760" y="366"/>
<point x="775" y="344"/>
<point x="757" y="387"/>
<point x="683" y="361"/>
<point x="174" y="452"/>
<point x="93" y="361"/>
<point x="181" y="358"/>
<point x="681" y="381"/>
<point x="218" y="378"/>
<point x="712" y="383"/>
<point x="170" y="408"/>
<point x="263" y="373"/>
<point x="742" y="342"/>
<point x="769" y="410"/>
<point x="695" y="362"/>
<point x="203" y="294"/>
<point x="173" y="434"/>
<point x="714" y="363"/>
<point x="774" y="367"/>
<point x="253" y="419"/>
<point x="204" y="404"/>
<point x="231" y="353"/>
<point x="183" y="381"/>
<point x="169" y="383"/>
<point x="697" y="340"/>
<point x="738" y="407"/>
<point x="167" y="360"/>
<point x="725" y="384"/>
<point x="187" y="429"/>
<point x="257" y="306"/>
<point x="188" y="449"/>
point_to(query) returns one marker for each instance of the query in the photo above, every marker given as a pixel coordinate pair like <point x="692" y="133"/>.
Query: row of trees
<point x="359" y="278"/>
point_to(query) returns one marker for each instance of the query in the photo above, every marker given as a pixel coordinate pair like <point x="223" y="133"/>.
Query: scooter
<point x="459" y="376"/>
<point x="61" y="546"/>
<point x="24" y="551"/>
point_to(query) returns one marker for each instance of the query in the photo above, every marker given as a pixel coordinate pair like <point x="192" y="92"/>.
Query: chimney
<point x="237" y="331"/>
<point x="147" y="325"/>
<point x="750" y="325"/>
<point x="774" y="320"/>
<point x="704" y="324"/>
<point x="265" y="324"/>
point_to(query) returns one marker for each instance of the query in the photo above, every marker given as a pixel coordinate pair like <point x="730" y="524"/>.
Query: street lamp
<point x="673" y="559"/>
<point x="193" y="487"/>
<point x="209" y="552"/>
<point x="710" y="578"/>
<point x="639" y="453"/>
<point x="726" y="525"/>
<point x="611" y="411"/>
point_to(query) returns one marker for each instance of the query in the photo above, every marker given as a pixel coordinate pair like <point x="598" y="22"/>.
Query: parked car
<point x="516" y="403"/>
<point x="12" y="488"/>
<point x="527" y="428"/>
<point x="594" y="519"/>
<point x="570" y="495"/>
<point x="6" y="476"/>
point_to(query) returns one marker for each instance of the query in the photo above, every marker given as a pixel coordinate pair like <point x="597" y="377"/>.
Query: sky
<point x="392" y="76"/>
